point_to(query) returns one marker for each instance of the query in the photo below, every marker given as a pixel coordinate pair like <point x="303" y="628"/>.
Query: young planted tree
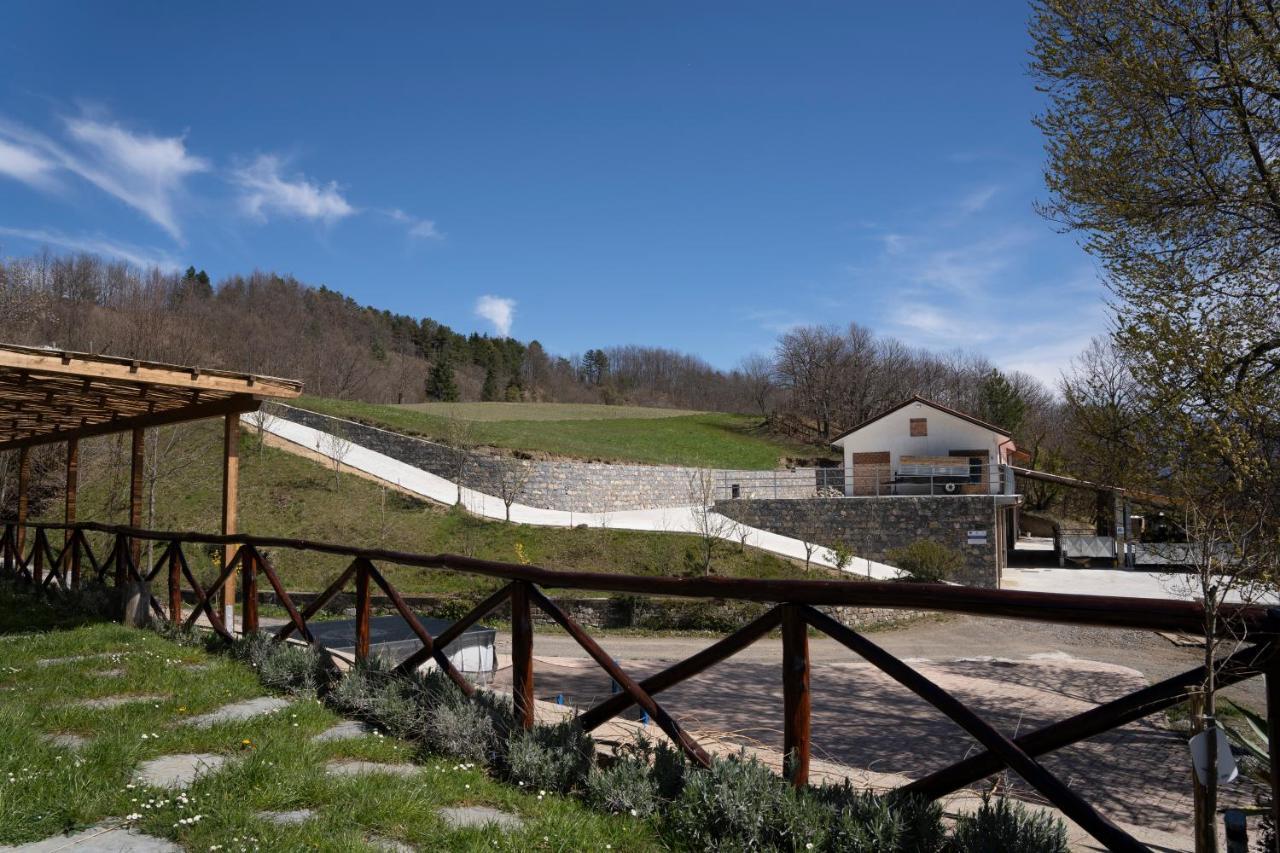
<point x="460" y="437"/>
<point x="513" y="479"/>
<point x="336" y="447"/>
<point x="711" y="528"/>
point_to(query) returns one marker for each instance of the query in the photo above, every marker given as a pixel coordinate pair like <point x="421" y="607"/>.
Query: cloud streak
<point x="420" y="229"/>
<point x="146" y="172"/>
<point x="265" y="191"/>
<point x="498" y="310"/>
<point x="137" y="256"/>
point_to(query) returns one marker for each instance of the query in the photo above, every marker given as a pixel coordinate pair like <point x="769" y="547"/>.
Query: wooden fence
<point x="795" y="610"/>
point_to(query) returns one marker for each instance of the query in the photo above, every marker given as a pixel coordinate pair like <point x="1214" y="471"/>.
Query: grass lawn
<point x="46" y="789"/>
<point x="543" y="411"/>
<point x="286" y="495"/>
<point x="708" y="439"/>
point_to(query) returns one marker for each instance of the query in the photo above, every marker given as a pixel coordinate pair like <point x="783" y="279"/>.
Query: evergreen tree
<point x="491" y="390"/>
<point x="1000" y="403"/>
<point x="441" y="386"/>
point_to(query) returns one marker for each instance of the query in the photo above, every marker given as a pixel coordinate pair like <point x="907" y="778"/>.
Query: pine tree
<point x="1000" y="402"/>
<point x="490" y="391"/>
<point x="441" y="386"/>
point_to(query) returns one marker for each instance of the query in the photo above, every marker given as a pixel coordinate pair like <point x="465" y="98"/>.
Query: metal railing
<point x="48" y="569"/>
<point x="865" y="481"/>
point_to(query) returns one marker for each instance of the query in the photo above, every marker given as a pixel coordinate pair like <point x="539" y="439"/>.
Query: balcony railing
<point x="959" y="478"/>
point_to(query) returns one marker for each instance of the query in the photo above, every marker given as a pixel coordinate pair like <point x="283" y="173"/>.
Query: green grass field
<point x="490" y="412"/>
<point x="285" y="495"/>
<point x="46" y="789"/>
<point x="654" y="436"/>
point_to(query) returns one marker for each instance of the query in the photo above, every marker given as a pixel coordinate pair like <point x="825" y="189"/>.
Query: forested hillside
<point x="813" y="381"/>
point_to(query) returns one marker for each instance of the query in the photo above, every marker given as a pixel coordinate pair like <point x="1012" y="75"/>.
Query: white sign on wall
<point x="977" y="537"/>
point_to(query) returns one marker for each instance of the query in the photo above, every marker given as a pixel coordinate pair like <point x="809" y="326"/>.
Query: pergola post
<point x="137" y="458"/>
<point x="24" y="495"/>
<point x="71" y="561"/>
<point x="230" y="490"/>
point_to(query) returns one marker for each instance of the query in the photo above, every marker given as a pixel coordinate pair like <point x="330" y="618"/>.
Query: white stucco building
<point x="920" y="447"/>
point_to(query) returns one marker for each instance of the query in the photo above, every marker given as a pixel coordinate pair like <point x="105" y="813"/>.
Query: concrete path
<point x="670" y="520"/>
<point x="1127" y="583"/>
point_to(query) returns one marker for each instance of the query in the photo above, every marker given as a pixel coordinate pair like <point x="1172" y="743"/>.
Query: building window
<point x="919" y="427"/>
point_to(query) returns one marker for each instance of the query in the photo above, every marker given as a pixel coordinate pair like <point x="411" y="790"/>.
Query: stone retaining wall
<point x="561" y="485"/>
<point x="873" y="526"/>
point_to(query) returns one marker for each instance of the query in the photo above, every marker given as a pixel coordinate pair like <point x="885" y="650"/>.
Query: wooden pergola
<point x="52" y="396"/>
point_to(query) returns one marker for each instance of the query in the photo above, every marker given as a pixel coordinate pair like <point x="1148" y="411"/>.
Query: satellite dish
<point x="1227" y="769"/>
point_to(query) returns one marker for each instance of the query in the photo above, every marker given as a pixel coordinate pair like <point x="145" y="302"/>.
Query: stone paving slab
<point x="390" y="845"/>
<point x="362" y="768"/>
<point x="109" y="673"/>
<point x="238" y="711"/>
<point x="67" y="741"/>
<point x="286" y="818"/>
<point x="470" y="817"/>
<point x="178" y="771"/>
<point x="46" y="662"/>
<point x="106" y="702"/>
<point x="346" y="730"/>
<point x="103" y="838"/>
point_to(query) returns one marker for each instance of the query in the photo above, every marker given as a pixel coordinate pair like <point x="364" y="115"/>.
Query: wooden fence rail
<point x="795" y="611"/>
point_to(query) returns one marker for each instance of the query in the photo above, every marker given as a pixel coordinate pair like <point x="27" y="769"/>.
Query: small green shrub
<point x="842" y="555"/>
<point x="466" y="728"/>
<point x="627" y="787"/>
<point x="927" y="561"/>
<point x="294" y="668"/>
<point x="717" y="616"/>
<point x="1007" y="826"/>
<point x="552" y="758"/>
<point x="864" y="822"/>
<point x="740" y="804"/>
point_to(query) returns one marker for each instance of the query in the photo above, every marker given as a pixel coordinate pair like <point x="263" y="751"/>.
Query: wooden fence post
<point x="8" y="549"/>
<point x="795" y="695"/>
<point x="175" y="583"/>
<point x="37" y="564"/>
<point x="122" y="557"/>
<point x="74" y="544"/>
<point x="249" y="592"/>
<point x="362" y="610"/>
<point x="521" y="655"/>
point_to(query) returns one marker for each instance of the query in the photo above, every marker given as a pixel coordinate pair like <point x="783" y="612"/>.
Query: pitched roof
<point x="918" y="399"/>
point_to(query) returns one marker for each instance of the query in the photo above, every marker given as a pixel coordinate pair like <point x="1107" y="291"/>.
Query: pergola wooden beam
<point x="234" y="405"/>
<point x="89" y="366"/>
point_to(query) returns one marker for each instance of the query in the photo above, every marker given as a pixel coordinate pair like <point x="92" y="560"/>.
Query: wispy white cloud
<point x="978" y="199"/>
<point x="264" y="190"/>
<point x="498" y="310"/>
<point x="421" y="229"/>
<point x="26" y="165"/>
<point x="144" y="171"/>
<point x="135" y="255"/>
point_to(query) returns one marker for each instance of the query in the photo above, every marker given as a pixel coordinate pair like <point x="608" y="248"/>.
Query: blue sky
<point x="691" y="176"/>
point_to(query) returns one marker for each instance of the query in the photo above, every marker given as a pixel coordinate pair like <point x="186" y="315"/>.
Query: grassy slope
<point x="544" y="411"/>
<point x="49" y="790"/>
<point x="286" y="495"/>
<point x="711" y="439"/>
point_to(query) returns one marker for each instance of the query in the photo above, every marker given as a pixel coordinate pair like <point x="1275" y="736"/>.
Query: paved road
<point x="1017" y="675"/>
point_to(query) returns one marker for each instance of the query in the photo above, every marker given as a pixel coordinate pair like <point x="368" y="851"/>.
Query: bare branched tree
<point x="513" y="478"/>
<point x="262" y="421"/>
<point x="710" y="527"/>
<point x="460" y="435"/>
<point x="336" y="447"/>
